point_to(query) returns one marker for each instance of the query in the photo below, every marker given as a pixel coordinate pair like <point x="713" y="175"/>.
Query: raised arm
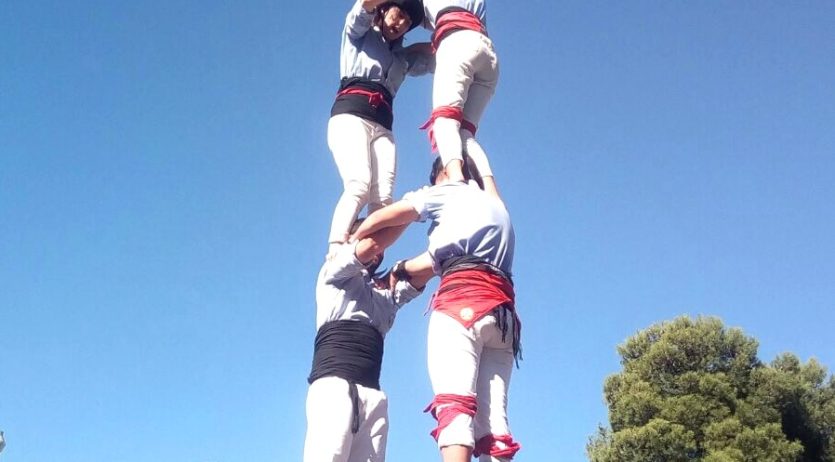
<point x="401" y="213"/>
<point x="375" y="243"/>
<point x="479" y="158"/>
<point x="348" y="263"/>
<point x="371" y="5"/>
<point x="361" y="18"/>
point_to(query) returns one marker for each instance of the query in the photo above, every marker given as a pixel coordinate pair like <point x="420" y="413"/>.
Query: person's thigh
<point x="329" y="413"/>
<point x="452" y="356"/>
<point x="485" y="79"/>
<point x="370" y="441"/>
<point x="454" y="70"/>
<point x="383" y="170"/>
<point x="349" y="139"/>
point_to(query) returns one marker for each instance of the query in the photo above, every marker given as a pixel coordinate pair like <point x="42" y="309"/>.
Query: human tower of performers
<point x="474" y="329"/>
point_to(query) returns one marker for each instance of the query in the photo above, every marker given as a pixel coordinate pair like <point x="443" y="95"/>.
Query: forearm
<point x="490" y="186"/>
<point x="418" y="270"/>
<point x="360" y="19"/>
<point x="400" y="213"/>
<point x="377" y="242"/>
<point x="370" y="5"/>
<point x="482" y="164"/>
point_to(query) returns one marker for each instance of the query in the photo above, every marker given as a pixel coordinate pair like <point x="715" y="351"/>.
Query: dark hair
<point x="470" y="171"/>
<point x="356" y="224"/>
<point x="412" y="8"/>
<point x="373" y="267"/>
<point x="437" y="167"/>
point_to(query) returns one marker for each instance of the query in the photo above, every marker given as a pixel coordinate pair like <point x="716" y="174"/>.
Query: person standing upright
<point x="474" y="329"/>
<point x="373" y="65"/>
<point x="347" y="412"/>
<point x="466" y="75"/>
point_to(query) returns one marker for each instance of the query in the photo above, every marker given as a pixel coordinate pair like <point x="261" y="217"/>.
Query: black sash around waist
<point x="351" y="350"/>
<point x="377" y="110"/>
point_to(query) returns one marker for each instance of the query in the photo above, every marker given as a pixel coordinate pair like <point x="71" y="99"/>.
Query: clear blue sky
<point x="166" y="188"/>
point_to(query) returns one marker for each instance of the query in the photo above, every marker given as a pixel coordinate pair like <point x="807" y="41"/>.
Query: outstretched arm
<point x="374" y="244"/>
<point x="345" y="265"/>
<point x="479" y="158"/>
<point x="418" y="271"/>
<point x="401" y="213"/>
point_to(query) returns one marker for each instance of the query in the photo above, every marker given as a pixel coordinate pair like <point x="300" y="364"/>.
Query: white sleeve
<point x="418" y="200"/>
<point x="344" y="264"/>
<point x="358" y="21"/>
<point x="403" y="292"/>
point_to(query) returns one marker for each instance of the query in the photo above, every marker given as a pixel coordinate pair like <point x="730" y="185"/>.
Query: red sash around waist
<point x="469" y="295"/>
<point x="453" y="21"/>
<point x="375" y="98"/>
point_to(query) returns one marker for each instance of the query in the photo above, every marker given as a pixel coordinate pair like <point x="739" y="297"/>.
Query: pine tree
<point x="693" y="390"/>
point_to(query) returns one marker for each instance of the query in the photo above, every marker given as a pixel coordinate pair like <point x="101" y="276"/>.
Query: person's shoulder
<point x="423" y="190"/>
<point x="343" y="258"/>
<point x="445" y="189"/>
<point x="463" y="187"/>
<point x="449" y="189"/>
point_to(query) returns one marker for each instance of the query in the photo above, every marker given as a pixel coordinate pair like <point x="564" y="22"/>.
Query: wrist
<point x="399" y="271"/>
<point x="369" y="6"/>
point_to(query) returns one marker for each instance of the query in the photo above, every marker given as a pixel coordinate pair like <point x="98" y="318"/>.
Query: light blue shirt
<point x="465" y="221"/>
<point x="433" y="7"/>
<point x="345" y="291"/>
<point x="366" y="53"/>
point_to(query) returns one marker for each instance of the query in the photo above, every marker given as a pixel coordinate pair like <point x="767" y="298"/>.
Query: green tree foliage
<point x="693" y="390"/>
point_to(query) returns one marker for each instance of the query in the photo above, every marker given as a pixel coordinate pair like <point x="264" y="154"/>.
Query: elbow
<point x="375" y="248"/>
<point x="368" y="248"/>
<point x="351" y="33"/>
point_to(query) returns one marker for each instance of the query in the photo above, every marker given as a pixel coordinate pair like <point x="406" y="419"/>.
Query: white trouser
<point x="469" y="362"/>
<point x="329" y="417"/>
<point x="365" y="155"/>
<point x="466" y="75"/>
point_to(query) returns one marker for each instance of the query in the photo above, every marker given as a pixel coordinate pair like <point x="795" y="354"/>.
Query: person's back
<point x="466" y="76"/>
<point x="474" y="330"/>
<point x="466" y="221"/>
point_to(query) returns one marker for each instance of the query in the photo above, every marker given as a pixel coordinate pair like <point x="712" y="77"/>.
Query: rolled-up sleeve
<point x="404" y="292"/>
<point x="358" y="21"/>
<point x="343" y="265"/>
<point x="418" y="200"/>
